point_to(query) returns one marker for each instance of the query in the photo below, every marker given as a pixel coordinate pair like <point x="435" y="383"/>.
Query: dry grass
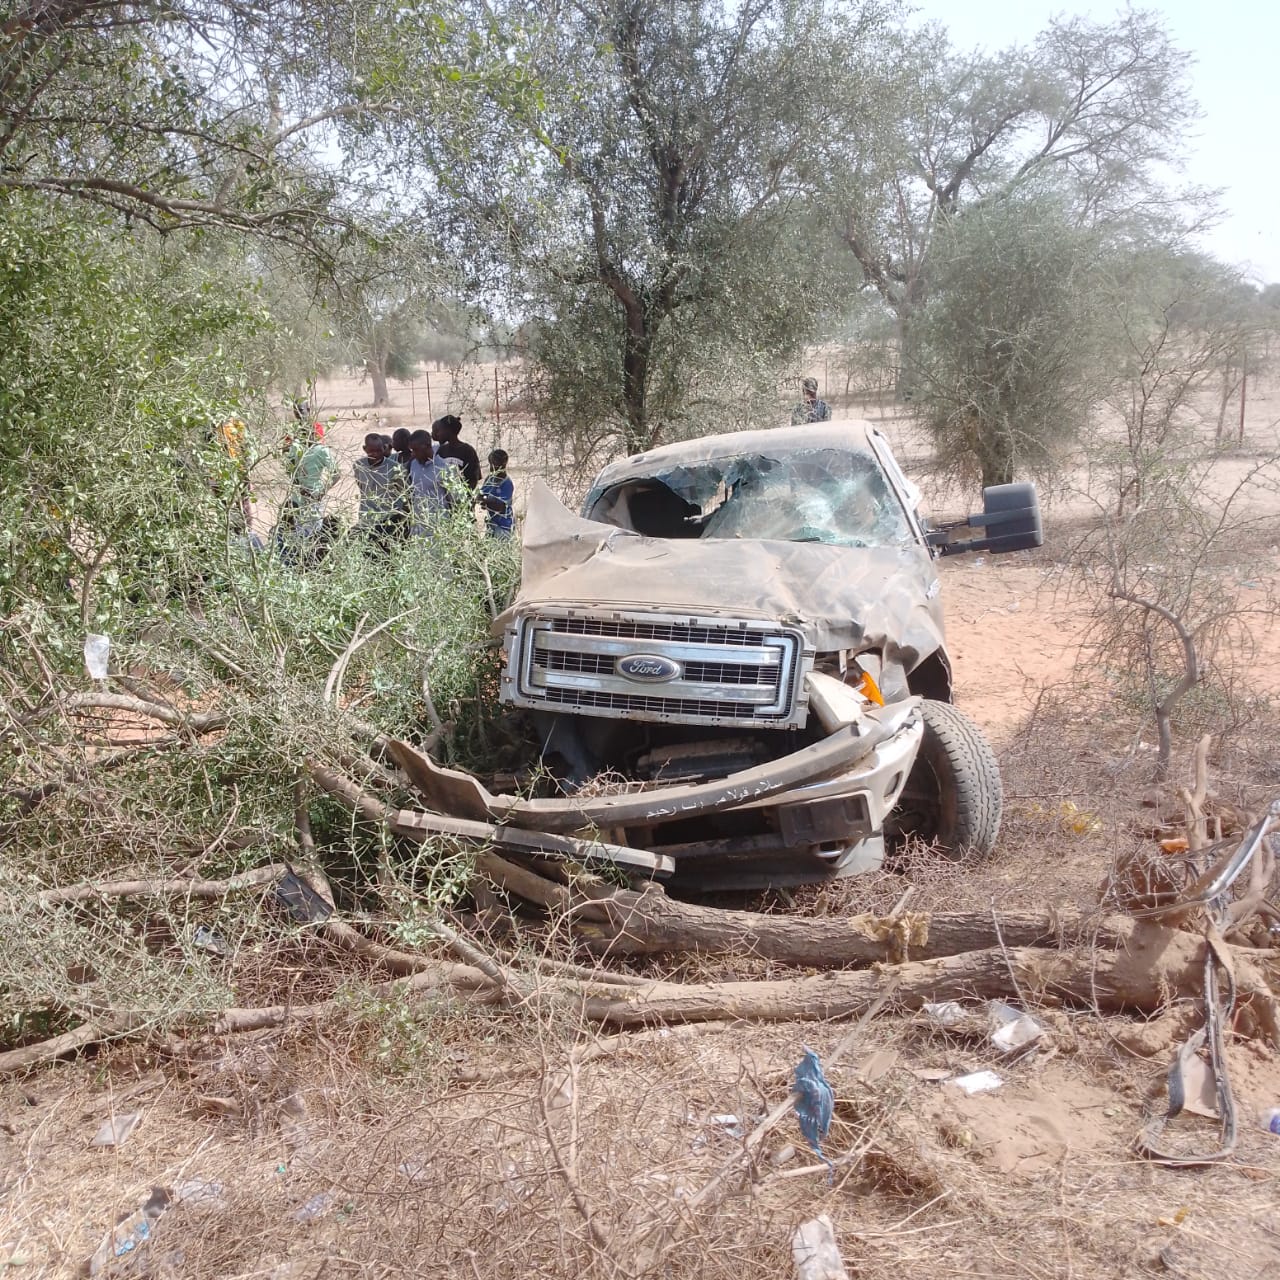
<point x="410" y="1139"/>
<point x="410" y="1172"/>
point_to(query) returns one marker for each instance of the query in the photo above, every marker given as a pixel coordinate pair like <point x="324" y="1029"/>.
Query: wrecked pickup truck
<point x="744" y="633"/>
<point x="732" y="666"/>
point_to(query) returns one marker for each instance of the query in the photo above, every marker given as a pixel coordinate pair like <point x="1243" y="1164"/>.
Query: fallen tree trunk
<point x="1141" y="970"/>
<point x="650" y="923"/>
<point x="33" y="1055"/>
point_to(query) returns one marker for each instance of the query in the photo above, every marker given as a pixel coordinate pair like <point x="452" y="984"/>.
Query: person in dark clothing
<point x="445" y="432"/>
<point x="400" y="447"/>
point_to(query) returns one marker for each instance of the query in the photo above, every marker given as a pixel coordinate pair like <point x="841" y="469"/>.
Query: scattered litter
<point x="1199" y="1088"/>
<point x="815" y="1253"/>
<point x="784" y="1155"/>
<point x="976" y="1082"/>
<point x="200" y="1194"/>
<point x="205" y="939"/>
<point x="1076" y="821"/>
<point x="1270" y="1119"/>
<point x="878" y="1065"/>
<point x="946" y="1014"/>
<point x="934" y="1075"/>
<point x="815" y="1104"/>
<point x="1013" y="606"/>
<point x="129" y="1234"/>
<point x="520" y="1187"/>
<point x="730" y="1126"/>
<point x="97" y="655"/>
<point x="724" y="1126"/>
<point x="300" y="900"/>
<point x="116" y="1129"/>
<point x="318" y="1205"/>
<point x="1070" y="818"/>
<point x="561" y="1091"/>
<point x="1012" y="1029"/>
<point x="413" y="1170"/>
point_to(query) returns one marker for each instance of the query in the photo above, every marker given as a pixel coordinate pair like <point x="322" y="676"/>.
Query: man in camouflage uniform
<point x="810" y="409"/>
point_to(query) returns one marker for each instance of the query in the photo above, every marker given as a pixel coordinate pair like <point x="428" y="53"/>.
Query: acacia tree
<point x="1184" y="326"/>
<point x="1098" y="109"/>
<point x="654" y="219"/>
<point x="1008" y="356"/>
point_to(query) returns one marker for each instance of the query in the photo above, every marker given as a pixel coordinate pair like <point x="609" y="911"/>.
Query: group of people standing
<point x="409" y="480"/>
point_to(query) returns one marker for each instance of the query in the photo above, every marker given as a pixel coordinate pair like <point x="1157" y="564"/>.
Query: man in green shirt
<point x="312" y="468"/>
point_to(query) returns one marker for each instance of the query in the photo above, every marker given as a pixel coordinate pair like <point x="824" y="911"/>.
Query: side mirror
<point x="1010" y="520"/>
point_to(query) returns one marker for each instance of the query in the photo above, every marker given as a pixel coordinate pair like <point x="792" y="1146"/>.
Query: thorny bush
<point x="122" y="515"/>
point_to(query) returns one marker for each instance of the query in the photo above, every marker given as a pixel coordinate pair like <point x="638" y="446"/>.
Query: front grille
<point x="728" y="634"/>
<point x="713" y="671"/>
<point x="680" y="708"/>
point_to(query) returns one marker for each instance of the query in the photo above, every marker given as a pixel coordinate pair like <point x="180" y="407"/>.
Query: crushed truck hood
<point x="839" y="597"/>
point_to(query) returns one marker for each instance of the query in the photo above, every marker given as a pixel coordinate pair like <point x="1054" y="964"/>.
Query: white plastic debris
<point x="97" y="655"/>
<point x="115" y="1129"/>
<point x="815" y="1253"/>
<point x="1017" y="1034"/>
<point x="414" y="1169"/>
<point x="200" y="1193"/>
<point x="946" y="1014"/>
<point x="206" y="939"/>
<point x="723" y="1126"/>
<point x="130" y="1234"/>
<point x="1011" y="1028"/>
<point x="976" y="1082"/>
<point x="730" y="1126"/>
<point x="314" y="1208"/>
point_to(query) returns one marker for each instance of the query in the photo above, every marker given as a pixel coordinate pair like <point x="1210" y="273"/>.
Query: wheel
<point x="953" y="798"/>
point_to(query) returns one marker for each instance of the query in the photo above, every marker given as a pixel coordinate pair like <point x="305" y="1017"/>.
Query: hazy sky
<point x="1235" y="78"/>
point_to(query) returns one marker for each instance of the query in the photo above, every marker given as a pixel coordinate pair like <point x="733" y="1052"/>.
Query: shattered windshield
<point x="834" y="496"/>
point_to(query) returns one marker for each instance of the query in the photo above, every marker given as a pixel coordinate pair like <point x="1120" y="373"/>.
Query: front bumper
<point x="816" y="814"/>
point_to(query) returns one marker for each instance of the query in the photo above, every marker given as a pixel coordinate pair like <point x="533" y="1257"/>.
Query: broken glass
<point x="834" y="496"/>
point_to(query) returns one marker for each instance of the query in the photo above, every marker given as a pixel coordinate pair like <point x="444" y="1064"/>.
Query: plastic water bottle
<point x="1270" y="1120"/>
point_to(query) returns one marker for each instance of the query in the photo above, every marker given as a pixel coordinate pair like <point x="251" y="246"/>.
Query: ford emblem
<point x="648" y="668"/>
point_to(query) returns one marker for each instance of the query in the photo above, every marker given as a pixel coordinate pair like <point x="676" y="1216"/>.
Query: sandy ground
<point x="399" y="1144"/>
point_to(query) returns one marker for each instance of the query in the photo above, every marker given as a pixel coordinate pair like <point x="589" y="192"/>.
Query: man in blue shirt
<point x="496" y="496"/>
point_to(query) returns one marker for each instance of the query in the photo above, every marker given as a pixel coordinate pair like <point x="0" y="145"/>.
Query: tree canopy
<point x="1097" y="109"/>
<point x="656" y="221"/>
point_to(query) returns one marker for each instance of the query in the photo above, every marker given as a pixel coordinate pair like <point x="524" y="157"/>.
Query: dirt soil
<point x="412" y="1142"/>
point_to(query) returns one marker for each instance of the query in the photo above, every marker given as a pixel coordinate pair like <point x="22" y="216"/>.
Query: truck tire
<point x="953" y="798"/>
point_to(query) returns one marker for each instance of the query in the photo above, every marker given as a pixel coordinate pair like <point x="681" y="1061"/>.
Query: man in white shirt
<point x="429" y="477"/>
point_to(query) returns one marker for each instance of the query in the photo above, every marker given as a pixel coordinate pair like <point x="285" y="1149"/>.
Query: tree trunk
<point x="904" y="385"/>
<point x="650" y="923"/>
<point x="996" y="471"/>
<point x="1142" y="970"/>
<point x="374" y="366"/>
<point x="637" y="348"/>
